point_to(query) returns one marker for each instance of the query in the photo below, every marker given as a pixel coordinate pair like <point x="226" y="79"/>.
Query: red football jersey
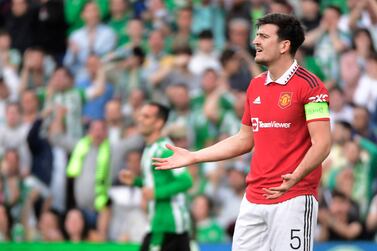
<point x="276" y="112"/>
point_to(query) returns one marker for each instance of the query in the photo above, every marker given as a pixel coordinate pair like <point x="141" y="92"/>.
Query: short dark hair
<point x="359" y="31"/>
<point x="335" y="8"/>
<point x="205" y="34"/>
<point x="344" y="124"/>
<point x="340" y="194"/>
<point x="289" y="28"/>
<point x="67" y="71"/>
<point x="163" y="111"/>
<point x="186" y="50"/>
<point x="139" y="53"/>
<point x="227" y="55"/>
<point x="285" y="3"/>
<point x="210" y="70"/>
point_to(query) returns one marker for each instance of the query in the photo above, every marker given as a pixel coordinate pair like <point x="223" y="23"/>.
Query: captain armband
<point x="317" y="110"/>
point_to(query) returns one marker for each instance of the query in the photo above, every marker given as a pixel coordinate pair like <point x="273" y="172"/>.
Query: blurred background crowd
<point x="78" y="68"/>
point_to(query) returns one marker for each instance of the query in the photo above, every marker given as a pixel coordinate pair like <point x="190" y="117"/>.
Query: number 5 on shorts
<point x="295" y="239"/>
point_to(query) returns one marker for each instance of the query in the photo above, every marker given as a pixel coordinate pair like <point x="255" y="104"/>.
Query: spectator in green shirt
<point x="207" y="229"/>
<point x="119" y="17"/>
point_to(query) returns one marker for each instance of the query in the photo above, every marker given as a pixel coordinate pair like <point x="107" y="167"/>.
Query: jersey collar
<point x="283" y="80"/>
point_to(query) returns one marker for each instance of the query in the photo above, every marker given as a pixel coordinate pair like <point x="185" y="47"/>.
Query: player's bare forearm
<point x="230" y="147"/>
<point x="238" y="144"/>
<point x="321" y="144"/>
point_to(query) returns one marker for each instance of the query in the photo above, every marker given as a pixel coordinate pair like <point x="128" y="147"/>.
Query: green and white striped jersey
<point x="168" y="212"/>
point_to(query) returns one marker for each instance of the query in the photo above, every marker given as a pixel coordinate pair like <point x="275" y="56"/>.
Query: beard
<point x="260" y="61"/>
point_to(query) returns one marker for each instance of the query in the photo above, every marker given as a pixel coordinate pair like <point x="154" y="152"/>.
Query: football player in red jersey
<point x="286" y="123"/>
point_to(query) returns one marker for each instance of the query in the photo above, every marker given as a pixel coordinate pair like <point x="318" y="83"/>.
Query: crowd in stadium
<point x="69" y="69"/>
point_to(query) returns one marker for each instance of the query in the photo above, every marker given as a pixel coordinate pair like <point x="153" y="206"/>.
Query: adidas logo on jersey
<point x="257" y="101"/>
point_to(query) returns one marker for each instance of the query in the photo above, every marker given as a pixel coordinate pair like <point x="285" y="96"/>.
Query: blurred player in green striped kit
<point x="163" y="190"/>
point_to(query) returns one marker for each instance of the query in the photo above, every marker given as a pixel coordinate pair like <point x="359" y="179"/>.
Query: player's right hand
<point x="180" y="158"/>
<point x="126" y="177"/>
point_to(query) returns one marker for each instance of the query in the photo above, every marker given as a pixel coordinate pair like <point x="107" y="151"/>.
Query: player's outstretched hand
<point x="275" y="192"/>
<point x="181" y="157"/>
<point x="126" y="177"/>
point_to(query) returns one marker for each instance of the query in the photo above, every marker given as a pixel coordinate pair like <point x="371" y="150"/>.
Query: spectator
<point x="229" y="197"/>
<point x="36" y="70"/>
<point x="50" y="28"/>
<point x="156" y="16"/>
<point x="94" y="202"/>
<point x="49" y="227"/>
<point x="337" y="222"/>
<point x="128" y="218"/>
<point x="232" y="118"/>
<point x="340" y="110"/>
<point x="73" y="11"/>
<point x="208" y="108"/>
<point x="311" y="19"/>
<point x="353" y="63"/>
<point x="311" y="16"/>
<point x="362" y="15"/>
<point x="181" y="115"/>
<point x="361" y="158"/>
<point x="75" y="226"/>
<point x="178" y="73"/>
<point x="114" y="120"/>
<point x="366" y="91"/>
<point x="8" y="56"/>
<point x="131" y="108"/>
<point x="281" y="6"/>
<point x="205" y="57"/>
<point x="41" y="152"/>
<point x="95" y="87"/>
<point x="207" y="229"/>
<point x="13" y="135"/>
<point x="128" y="75"/>
<point x="20" y="25"/>
<point x="341" y="134"/>
<point x="239" y="43"/>
<point x="93" y="38"/>
<point x="64" y="97"/>
<point x="329" y="42"/>
<point x="119" y="17"/>
<point x="183" y="36"/>
<point x="135" y="33"/>
<point x="361" y="123"/>
<point x="10" y="61"/>
<point x="157" y="62"/>
<point x="210" y="15"/>
<point x="239" y="31"/>
<point x="11" y="184"/>
<point x="91" y="184"/>
<point x="239" y="9"/>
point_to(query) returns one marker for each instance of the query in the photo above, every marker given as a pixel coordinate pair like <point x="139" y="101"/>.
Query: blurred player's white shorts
<point x="284" y="226"/>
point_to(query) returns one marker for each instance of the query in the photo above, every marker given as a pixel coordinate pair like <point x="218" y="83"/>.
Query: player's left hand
<point x="275" y="192"/>
<point x="148" y="193"/>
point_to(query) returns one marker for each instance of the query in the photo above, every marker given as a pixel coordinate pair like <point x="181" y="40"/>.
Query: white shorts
<point x="276" y="227"/>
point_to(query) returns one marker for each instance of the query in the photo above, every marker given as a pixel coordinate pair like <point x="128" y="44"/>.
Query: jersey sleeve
<point x="316" y="102"/>
<point x="181" y="181"/>
<point x="246" y="118"/>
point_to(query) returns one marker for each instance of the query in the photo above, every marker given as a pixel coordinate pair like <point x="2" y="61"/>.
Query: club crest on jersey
<point x="255" y="124"/>
<point x="285" y="99"/>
